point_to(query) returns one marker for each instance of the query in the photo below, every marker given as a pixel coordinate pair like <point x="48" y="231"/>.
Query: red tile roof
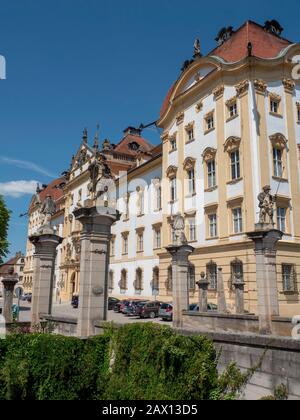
<point x="4" y="268"/>
<point x="123" y="146"/>
<point x="264" y="44"/>
<point x="56" y="193"/>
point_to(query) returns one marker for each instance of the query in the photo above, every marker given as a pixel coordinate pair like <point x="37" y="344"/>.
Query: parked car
<point x="112" y="302"/>
<point x="128" y="305"/>
<point x="75" y="301"/>
<point x="210" y="307"/>
<point x="133" y="310"/>
<point x="166" y="312"/>
<point x="149" y="310"/>
<point x="120" y="306"/>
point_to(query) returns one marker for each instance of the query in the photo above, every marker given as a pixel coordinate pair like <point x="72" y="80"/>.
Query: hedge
<point x="140" y="361"/>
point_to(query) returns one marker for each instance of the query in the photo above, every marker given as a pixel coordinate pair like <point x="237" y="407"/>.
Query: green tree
<point x="4" y="220"/>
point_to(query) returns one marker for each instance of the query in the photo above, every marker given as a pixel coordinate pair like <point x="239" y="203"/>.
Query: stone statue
<point x="47" y="210"/>
<point x="178" y="229"/>
<point x="197" y="48"/>
<point x="266" y="205"/>
<point x="99" y="171"/>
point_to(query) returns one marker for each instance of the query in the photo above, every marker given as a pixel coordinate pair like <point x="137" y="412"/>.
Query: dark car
<point x="119" y="306"/>
<point x="75" y="301"/>
<point x="149" y="310"/>
<point x="166" y="312"/>
<point x="134" y="309"/>
<point x="128" y="305"/>
<point x="112" y="303"/>
<point x="210" y="307"/>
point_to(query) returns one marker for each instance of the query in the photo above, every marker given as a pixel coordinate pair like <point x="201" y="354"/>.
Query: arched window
<point x="212" y="275"/>
<point x="138" y="284"/>
<point x="169" y="281"/>
<point x="123" y="281"/>
<point x="237" y="272"/>
<point x="111" y="280"/>
<point x="155" y="279"/>
<point x="191" y="277"/>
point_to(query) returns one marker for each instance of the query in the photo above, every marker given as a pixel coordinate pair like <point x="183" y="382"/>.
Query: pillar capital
<point x="180" y="253"/>
<point x="265" y="240"/>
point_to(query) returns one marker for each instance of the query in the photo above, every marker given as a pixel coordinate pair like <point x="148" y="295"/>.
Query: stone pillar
<point x="94" y="266"/>
<point x="239" y="284"/>
<point x="203" y="284"/>
<point x="222" y="307"/>
<point x="180" y="265"/>
<point x="43" y="274"/>
<point x="9" y="283"/>
<point x="265" y="242"/>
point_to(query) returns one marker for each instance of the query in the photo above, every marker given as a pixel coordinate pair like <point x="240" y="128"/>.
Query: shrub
<point x="140" y="361"/>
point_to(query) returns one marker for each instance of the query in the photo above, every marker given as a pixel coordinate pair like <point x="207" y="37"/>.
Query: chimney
<point x="133" y="131"/>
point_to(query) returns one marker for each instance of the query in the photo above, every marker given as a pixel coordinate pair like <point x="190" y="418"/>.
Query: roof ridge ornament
<point x="224" y="34"/>
<point x="273" y="27"/>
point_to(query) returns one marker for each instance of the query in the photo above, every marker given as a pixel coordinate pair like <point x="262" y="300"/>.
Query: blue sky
<point x="76" y="63"/>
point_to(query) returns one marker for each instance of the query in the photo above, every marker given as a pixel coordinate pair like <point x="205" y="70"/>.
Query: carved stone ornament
<point x="289" y="85"/>
<point x="260" y="86"/>
<point x="218" y="91"/>
<point x="242" y="87"/>
<point x="189" y="163"/>
<point x="199" y="107"/>
<point x="179" y="118"/>
<point x="190" y="126"/>
<point x="172" y="171"/>
<point x="209" y="154"/>
<point x="231" y="101"/>
<point x="278" y="141"/>
<point x="231" y="144"/>
<point x="274" y="97"/>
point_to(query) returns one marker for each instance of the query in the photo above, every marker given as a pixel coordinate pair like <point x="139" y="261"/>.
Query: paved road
<point x="66" y="310"/>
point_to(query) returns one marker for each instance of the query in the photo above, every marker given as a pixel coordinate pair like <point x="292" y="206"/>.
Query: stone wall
<point x="280" y="364"/>
<point x="234" y="323"/>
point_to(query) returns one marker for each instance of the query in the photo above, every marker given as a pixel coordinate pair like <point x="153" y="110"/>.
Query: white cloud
<point x="17" y="189"/>
<point x="24" y="164"/>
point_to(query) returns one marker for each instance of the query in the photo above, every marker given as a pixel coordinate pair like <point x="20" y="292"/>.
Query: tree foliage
<point x="135" y="362"/>
<point x="4" y="220"/>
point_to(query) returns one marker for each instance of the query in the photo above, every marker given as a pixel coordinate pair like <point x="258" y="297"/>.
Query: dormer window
<point x="134" y="146"/>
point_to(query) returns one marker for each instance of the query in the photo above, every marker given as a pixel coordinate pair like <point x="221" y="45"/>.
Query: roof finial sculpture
<point x="96" y="140"/>
<point x="85" y="136"/>
<point x="197" y="48"/>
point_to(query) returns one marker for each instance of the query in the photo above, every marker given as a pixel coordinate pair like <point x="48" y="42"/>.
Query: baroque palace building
<point x="230" y="126"/>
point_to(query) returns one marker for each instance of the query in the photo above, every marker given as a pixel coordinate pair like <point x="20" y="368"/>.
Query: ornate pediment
<point x="232" y="143"/>
<point x="209" y="154"/>
<point x="172" y="171"/>
<point x="278" y="141"/>
<point x="189" y="163"/>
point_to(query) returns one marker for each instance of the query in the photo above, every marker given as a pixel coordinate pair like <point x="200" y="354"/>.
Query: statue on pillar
<point x="197" y="48"/>
<point x="47" y="210"/>
<point x="179" y="231"/>
<point x="98" y="170"/>
<point x="266" y="205"/>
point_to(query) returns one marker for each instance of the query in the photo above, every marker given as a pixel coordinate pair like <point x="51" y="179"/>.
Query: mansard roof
<point x="265" y="44"/>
